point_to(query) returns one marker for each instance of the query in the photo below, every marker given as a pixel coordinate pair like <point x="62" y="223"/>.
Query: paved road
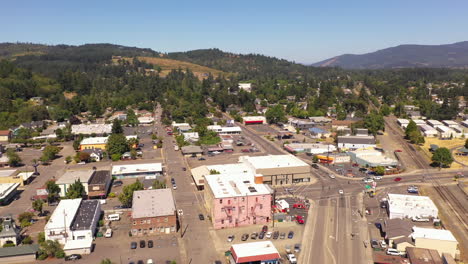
<point x="197" y="245"/>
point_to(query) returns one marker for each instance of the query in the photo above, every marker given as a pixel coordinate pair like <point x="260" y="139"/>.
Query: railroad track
<point x="457" y="207"/>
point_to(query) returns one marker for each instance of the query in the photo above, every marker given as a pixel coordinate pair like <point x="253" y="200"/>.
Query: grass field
<point x="453" y="143"/>
<point x="167" y="65"/>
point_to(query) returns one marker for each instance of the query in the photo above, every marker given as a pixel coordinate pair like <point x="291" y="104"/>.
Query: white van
<point x="113" y="217"/>
<point x="108" y="233"/>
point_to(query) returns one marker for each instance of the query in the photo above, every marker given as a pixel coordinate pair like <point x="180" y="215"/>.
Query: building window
<point x="229" y="201"/>
<point x="256" y="199"/>
<point x="166" y="219"/>
<point x="220" y="201"/>
<point x="148" y="221"/>
<point x="134" y="222"/>
<point x="222" y="221"/>
<point x="142" y="221"/>
<point x="243" y="199"/>
<point x="261" y="206"/>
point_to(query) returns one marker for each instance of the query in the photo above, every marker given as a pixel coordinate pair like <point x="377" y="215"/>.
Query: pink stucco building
<point x="236" y="200"/>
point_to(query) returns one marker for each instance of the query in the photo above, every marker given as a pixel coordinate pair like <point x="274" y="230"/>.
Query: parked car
<point x="374" y="243"/>
<point x="261" y="235"/>
<point x="268" y="235"/>
<point x="133" y="245"/>
<point x="142" y="244"/>
<point x="367" y="180"/>
<point x="245" y="237"/>
<point x="253" y="235"/>
<point x="150" y="243"/>
<point x="73" y="257"/>
<point x="297" y="248"/>
<point x="149" y="261"/>
<point x="393" y="252"/>
<point x="245" y="150"/>
<point x="283" y="235"/>
<point x="362" y="169"/>
<point x="230" y="238"/>
<point x="201" y="158"/>
<point x="331" y="176"/>
<point x="315" y="166"/>
<point x="377" y="178"/>
<point x="201" y="217"/>
<point x="340" y="191"/>
<point x="397" y="179"/>
<point x="117" y="183"/>
<point x="420" y="219"/>
<point x="265" y="229"/>
<point x="290" y="234"/>
<point x="140" y="262"/>
<point x="108" y="233"/>
<point x="174" y="186"/>
<point x="276" y="235"/>
<point x="398" y="150"/>
<point x="172" y="180"/>
<point x="292" y="258"/>
<point x="413" y="189"/>
<point x="383" y="244"/>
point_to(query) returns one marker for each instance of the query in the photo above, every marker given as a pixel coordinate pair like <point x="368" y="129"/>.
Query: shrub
<point x="27" y="240"/>
<point x="111" y="195"/>
<point x="116" y="157"/>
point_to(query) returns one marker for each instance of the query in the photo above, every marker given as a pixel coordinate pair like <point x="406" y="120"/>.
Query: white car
<point x="340" y="191"/>
<point x="180" y="212"/>
<point x="292" y="258"/>
<point x="377" y="178"/>
<point x="331" y="176"/>
<point x="149" y="261"/>
<point x="174" y="187"/>
<point x="383" y="244"/>
<point x="367" y="180"/>
<point x="393" y="252"/>
<point x="108" y="233"/>
<point x="268" y="235"/>
<point x="420" y="219"/>
<point x="230" y="238"/>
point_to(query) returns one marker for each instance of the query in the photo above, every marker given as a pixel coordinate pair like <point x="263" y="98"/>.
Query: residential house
<point x="94" y="154"/>
<point x="10" y="234"/>
<point x="423" y="256"/>
<point x="153" y="212"/>
<point x="5" y="135"/>
<point x="403" y="123"/>
<point x="245" y="86"/>
<point x="397" y="231"/>
<point x="428" y="131"/>
<point x="362" y="132"/>
<point x="320" y="119"/>
<point x="19" y="254"/>
<point x="191" y="137"/>
<point x="414" y="114"/>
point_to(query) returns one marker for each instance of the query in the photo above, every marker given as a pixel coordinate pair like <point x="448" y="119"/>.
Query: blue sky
<point x="303" y="31"/>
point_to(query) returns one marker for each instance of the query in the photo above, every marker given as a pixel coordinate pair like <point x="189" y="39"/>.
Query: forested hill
<point x="405" y="56"/>
<point x="249" y="65"/>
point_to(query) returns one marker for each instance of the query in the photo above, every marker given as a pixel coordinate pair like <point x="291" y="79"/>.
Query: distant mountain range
<point x="405" y="56"/>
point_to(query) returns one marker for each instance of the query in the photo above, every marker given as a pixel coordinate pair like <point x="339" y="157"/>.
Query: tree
<point x="275" y="114"/>
<point x="442" y="157"/>
<point x="25" y="219"/>
<point x="27" y="240"/>
<point x="106" y="261"/>
<point x="214" y="172"/>
<point x="385" y="110"/>
<point x="374" y="122"/>
<point x="41" y="237"/>
<point x="37" y="205"/>
<point x="126" y="196"/>
<point x="117" y="144"/>
<point x="14" y="159"/>
<point x="315" y="159"/>
<point x="159" y="184"/>
<point x="380" y="170"/>
<point x="416" y="137"/>
<point x="53" y="191"/>
<point x="76" y="190"/>
<point x="117" y="127"/>
<point x="51" y="248"/>
<point x="132" y="119"/>
<point x="410" y="128"/>
<point x="49" y="153"/>
<point x="84" y="156"/>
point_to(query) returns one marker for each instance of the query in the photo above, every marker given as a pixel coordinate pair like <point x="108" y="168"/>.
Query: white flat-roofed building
<point x="93" y="142"/>
<point x="245" y="86"/>
<point x="408" y="206"/>
<point x="191" y="136"/>
<point x="441" y="240"/>
<point x="224" y="130"/>
<point x="450" y="123"/>
<point x="464" y="123"/>
<point x="356" y="142"/>
<point x="89" y="129"/>
<point x="428" y="131"/>
<point x="446" y="132"/>
<point x="434" y="123"/>
<point x="254" y="252"/>
<point x="419" y="122"/>
<point x="372" y="158"/>
<point x="145" y="120"/>
<point x="58" y="226"/>
<point x="147" y="170"/>
<point x="312" y="148"/>
<point x="70" y="177"/>
<point x="199" y="173"/>
<point x="250" y="120"/>
<point x="403" y="122"/>
<point x="7" y="192"/>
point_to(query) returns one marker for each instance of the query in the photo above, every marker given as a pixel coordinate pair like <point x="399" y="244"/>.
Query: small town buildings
<point x="145" y="120"/>
<point x="10" y="234"/>
<point x="5" y="135"/>
<point x="403" y="123"/>
<point x="94" y="154"/>
<point x="93" y="143"/>
<point x="7" y="192"/>
<point x="450" y="123"/>
<point x="419" y="122"/>
<point x="181" y="127"/>
<point x="397" y="231"/>
<point x="434" y="123"/>
<point x="371" y="158"/>
<point x="191" y="137"/>
<point x="254" y="252"/>
<point x="317" y="132"/>
<point x="225" y="130"/>
<point x="11" y="176"/>
<point x="90" y="129"/>
<point x="320" y="119"/>
<point x="153" y="212"/>
<point x="428" y="131"/>
<point x="356" y="142"/>
<point x="362" y="132"/>
<point x="251" y="120"/>
<point x="309" y="148"/>
<point x="99" y="184"/>
<point x="414" y="114"/>
<point x="73" y="224"/>
<point x="19" y="254"/>
<point x="441" y="240"/>
<point x="234" y="200"/>
<point x="119" y="115"/>
<point x="342" y="124"/>
<point x="446" y="132"/>
<point x="408" y="206"/>
<point x="192" y="151"/>
<point x="423" y="256"/>
<point x="301" y="124"/>
<point x="146" y="170"/>
<point x="72" y="176"/>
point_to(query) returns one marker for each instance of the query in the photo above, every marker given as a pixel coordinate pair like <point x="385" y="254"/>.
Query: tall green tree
<point x="275" y="114"/>
<point x="49" y="153"/>
<point x="14" y="159"/>
<point x="410" y="128"/>
<point x="117" y="127"/>
<point x="37" y="205"/>
<point x="117" y="144"/>
<point x="374" y="122"/>
<point x="76" y="190"/>
<point x="442" y="157"/>
<point x="132" y="119"/>
<point x="53" y="191"/>
<point x="126" y="197"/>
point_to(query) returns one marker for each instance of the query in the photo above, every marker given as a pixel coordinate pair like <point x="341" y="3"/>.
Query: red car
<point x="398" y="150"/>
<point x="245" y="150"/>
<point x="397" y="179"/>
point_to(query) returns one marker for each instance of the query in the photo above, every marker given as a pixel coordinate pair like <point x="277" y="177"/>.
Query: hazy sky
<point x="303" y="31"/>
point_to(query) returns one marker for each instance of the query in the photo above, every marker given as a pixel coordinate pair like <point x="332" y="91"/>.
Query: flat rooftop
<point x="254" y="251"/>
<point x="100" y="177"/>
<point x="7" y="173"/>
<point x="64" y="214"/>
<point x="273" y="161"/>
<point x="7" y="188"/>
<point x="152" y="203"/>
<point x="94" y="140"/>
<point x="136" y="168"/>
<point x="71" y="176"/>
<point x="235" y="185"/>
<point x="410" y="201"/>
<point x="91" y="128"/>
<point x="85" y="215"/>
<point x="431" y="233"/>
